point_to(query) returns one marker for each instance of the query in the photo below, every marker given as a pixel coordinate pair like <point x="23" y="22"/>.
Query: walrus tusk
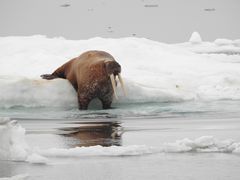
<point x="113" y="85"/>
<point x="122" y="85"/>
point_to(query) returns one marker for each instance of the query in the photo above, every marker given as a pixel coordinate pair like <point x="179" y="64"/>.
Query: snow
<point x="17" y="177"/>
<point x="236" y="42"/>
<point x="198" y="145"/>
<point x="223" y="42"/>
<point x="36" y="159"/>
<point x="131" y="150"/>
<point x="13" y="145"/>
<point x="12" y="141"/>
<point x="202" y="144"/>
<point x="195" y="38"/>
<point x="172" y="73"/>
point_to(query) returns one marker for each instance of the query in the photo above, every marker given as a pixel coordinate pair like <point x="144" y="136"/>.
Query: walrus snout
<point x="112" y="67"/>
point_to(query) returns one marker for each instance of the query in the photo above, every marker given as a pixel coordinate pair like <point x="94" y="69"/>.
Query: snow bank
<point x="219" y="46"/>
<point x="13" y="145"/>
<point x="132" y="150"/>
<point x="236" y="42"/>
<point x="12" y="141"/>
<point x="195" y="38"/>
<point x="26" y="92"/>
<point x="35" y="158"/>
<point x="223" y="42"/>
<point x="152" y="71"/>
<point x="17" y="177"/>
<point x="200" y="145"/>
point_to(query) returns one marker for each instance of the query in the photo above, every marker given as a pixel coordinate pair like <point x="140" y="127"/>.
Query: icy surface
<point x="149" y="145"/>
<point x="223" y="42"/>
<point x="17" y="177"/>
<point x="12" y="141"/>
<point x="201" y="144"/>
<point x="172" y="122"/>
<point x="152" y="71"/>
<point x="13" y="145"/>
<point x="36" y="159"/>
<point x="195" y="38"/>
<point x="132" y="150"/>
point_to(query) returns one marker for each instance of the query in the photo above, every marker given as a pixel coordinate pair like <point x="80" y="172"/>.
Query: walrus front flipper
<point x="48" y="76"/>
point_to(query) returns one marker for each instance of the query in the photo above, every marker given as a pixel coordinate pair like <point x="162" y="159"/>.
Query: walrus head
<point x="114" y="69"/>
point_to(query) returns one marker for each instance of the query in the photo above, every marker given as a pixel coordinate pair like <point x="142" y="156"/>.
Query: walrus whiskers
<point x="113" y="85"/>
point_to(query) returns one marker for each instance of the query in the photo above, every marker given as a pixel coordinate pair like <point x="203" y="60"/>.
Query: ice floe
<point x="13" y="145"/>
<point x="152" y="71"/>
<point x="17" y="177"/>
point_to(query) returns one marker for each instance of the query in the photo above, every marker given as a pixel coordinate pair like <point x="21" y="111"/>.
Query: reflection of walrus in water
<point x="95" y="133"/>
<point x="93" y="75"/>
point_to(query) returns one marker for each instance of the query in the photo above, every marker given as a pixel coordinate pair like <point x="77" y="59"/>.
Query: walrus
<point x="93" y="75"/>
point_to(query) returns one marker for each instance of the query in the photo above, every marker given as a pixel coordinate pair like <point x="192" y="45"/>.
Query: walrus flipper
<point x="59" y="73"/>
<point x="48" y="76"/>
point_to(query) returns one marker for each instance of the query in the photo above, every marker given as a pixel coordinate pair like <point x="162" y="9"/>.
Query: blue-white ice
<point x="154" y="73"/>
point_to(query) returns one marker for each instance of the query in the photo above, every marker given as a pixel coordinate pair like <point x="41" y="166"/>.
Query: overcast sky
<point x="162" y="20"/>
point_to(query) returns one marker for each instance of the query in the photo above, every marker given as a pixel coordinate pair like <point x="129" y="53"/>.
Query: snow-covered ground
<point x="153" y="71"/>
<point x="180" y="119"/>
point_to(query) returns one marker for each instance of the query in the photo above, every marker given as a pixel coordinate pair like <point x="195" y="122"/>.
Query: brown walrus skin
<point x="89" y="75"/>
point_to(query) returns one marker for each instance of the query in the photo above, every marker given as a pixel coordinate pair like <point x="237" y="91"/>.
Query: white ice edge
<point x="13" y="147"/>
<point x="204" y="144"/>
<point x="17" y="177"/>
<point x="152" y="71"/>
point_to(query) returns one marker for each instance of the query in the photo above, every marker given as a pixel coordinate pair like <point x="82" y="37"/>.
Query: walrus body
<point x="90" y="75"/>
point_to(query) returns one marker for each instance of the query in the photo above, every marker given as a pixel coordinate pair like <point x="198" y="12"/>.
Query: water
<point x="148" y="124"/>
<point x="193" y="109"/>
<point x="72" y="128"/>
